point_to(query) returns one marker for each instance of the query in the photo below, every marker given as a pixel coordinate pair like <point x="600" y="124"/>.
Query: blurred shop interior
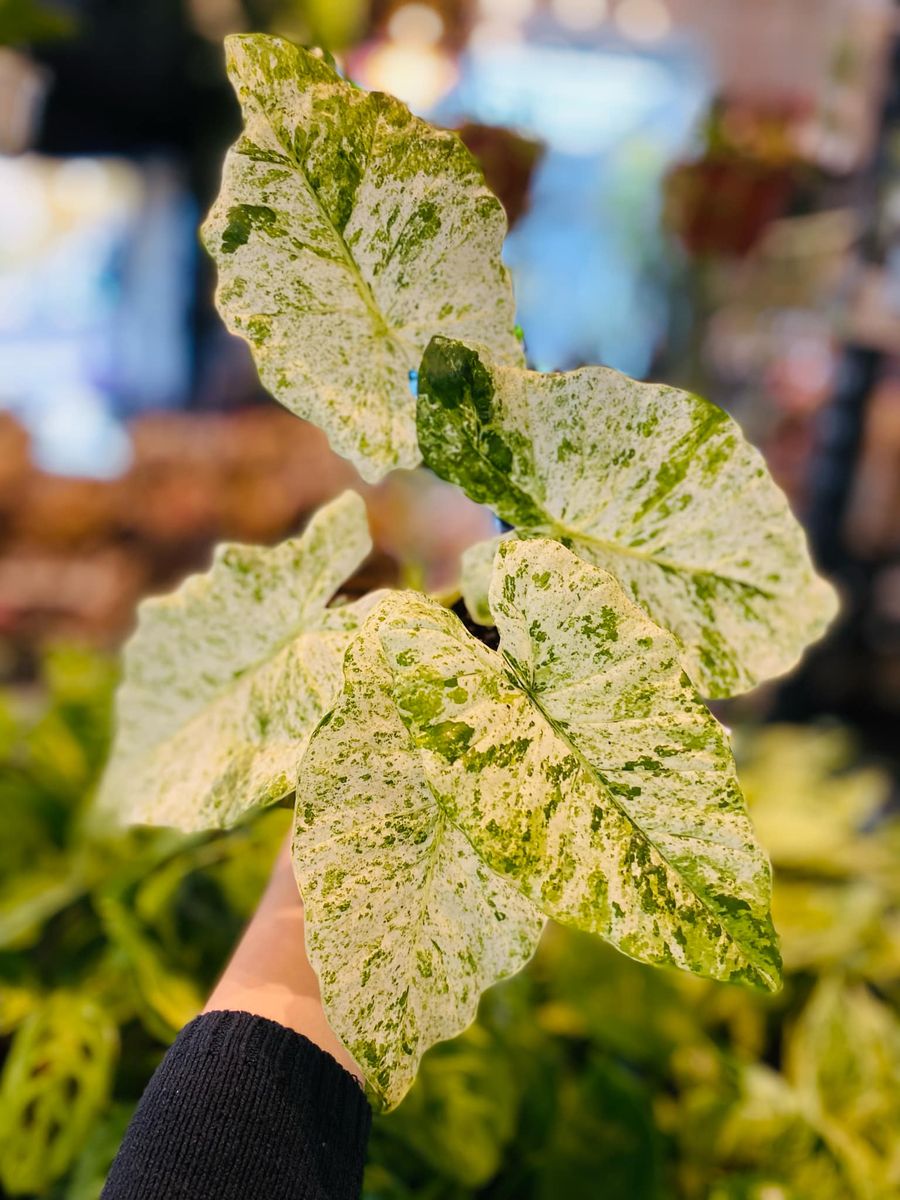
<point x="706" y="194"/>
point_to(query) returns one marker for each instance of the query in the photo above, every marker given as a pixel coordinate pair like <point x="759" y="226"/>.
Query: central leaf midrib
<point x="595" y="774"/>
<point x="559" y="530"/>
<point x="552" y="527"/>
<point x="517" y="681"/>
<point x="381" y="327"/>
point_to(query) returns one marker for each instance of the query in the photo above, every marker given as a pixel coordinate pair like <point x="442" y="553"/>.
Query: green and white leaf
<point x="405" y="926"/>
<point x="652" y="484"/>
<point x="575" y="772"/>
<point x="580" y="762"/>
<point x="348" y="232"/>
<point x="226" y="678"/>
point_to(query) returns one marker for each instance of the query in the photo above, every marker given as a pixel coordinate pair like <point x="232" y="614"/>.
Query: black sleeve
<point x="241" y="1108"/>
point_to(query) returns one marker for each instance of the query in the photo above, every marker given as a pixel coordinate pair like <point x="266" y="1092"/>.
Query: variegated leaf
<point x="580" y="762"/>
<point x="225" y="679"/>
<point x="56" y="1081"/>
<point x="347" y="232"/>
<point x="405" y="926"/>
<point x="652" y="484"/>
<point x="577" y="765"/>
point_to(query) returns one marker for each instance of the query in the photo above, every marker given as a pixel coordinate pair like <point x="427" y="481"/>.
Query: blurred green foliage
<point x="109" y="939"/>
<point x="586" y="1075"/>
<point x="25" y="22"/>
<point x="334" y="26"/>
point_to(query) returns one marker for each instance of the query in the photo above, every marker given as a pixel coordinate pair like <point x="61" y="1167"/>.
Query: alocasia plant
<point x="449" y="796"/>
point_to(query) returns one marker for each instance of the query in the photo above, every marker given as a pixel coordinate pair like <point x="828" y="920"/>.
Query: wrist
<point x="269" y="974"/>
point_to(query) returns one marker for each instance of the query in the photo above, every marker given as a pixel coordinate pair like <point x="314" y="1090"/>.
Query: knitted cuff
<point x="240" y="1108"/>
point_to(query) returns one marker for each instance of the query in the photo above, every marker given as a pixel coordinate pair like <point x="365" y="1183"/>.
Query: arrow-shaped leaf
<point x="225" y="679"/>
<point x="405" y="925"/>
<point x="652" y="484"/>
<point x="577" y="766"/>
<point x="347" y="232"/>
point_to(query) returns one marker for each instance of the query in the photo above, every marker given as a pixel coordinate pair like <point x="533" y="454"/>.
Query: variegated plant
<point x="450" y="797"/>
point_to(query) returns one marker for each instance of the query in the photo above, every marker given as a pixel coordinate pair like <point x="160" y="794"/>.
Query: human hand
<point x="269" y="974"/>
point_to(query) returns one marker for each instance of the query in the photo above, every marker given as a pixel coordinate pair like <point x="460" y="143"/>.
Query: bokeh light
<point x="643" y="20"/>
<point x="506" y="10"/>
<point x="416" y="24"/>
<point x="580" y="15"/>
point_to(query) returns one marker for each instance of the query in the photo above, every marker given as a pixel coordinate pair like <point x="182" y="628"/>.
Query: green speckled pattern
<point x="225" y="679"/>
<point x="576" y="773"/>
<point x="652" y="484"/>
<point x="405" y="925"/>
<point x="347" y="232"/>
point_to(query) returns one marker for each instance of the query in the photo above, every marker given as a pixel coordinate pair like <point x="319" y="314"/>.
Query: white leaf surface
<point x="405" y="925"/>
<point x="225" y="679"/>
<point x="346" y="233"/>
<point x="575" y="773"/>
<point x="656" y="486"/>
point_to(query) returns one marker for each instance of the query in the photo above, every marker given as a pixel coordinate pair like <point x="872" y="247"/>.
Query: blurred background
<point x="701" y="193"/>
